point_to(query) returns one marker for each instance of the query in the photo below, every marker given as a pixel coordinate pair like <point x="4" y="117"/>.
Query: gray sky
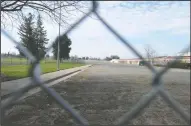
<point x="166" y="29"/>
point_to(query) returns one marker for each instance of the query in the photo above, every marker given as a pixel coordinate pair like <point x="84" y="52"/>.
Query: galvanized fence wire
<point x="36" y="81"/>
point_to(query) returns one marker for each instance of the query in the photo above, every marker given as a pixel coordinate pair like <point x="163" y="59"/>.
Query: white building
<point x="184" y="54"/>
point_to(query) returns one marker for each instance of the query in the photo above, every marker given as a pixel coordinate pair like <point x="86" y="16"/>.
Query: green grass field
<point x="21" y="71"/>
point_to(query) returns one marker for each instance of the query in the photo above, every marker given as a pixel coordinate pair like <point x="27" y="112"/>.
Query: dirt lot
<point x="102" y="94"/>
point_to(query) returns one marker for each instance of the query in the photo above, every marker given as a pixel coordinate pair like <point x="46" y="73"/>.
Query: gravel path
<point x="102" y="94"/>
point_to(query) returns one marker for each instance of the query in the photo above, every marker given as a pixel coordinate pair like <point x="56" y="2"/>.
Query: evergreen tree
<point x="65" y="43"/>
<point x="33" y="38"/>
<point x="27" y="35"/>
<point x="41" y="39"/>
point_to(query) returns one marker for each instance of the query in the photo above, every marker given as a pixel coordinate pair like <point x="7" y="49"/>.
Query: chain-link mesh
<point x="157" y="88"/>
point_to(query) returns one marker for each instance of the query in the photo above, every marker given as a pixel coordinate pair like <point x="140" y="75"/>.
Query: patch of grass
<point x="51" y="67"/>
<point x="18" y="71"/>
<point x="21" y="71"/>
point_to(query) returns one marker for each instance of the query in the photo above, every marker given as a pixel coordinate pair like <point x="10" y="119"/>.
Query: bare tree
<point x="14" y="10"/>
<point x="150" y="53"/>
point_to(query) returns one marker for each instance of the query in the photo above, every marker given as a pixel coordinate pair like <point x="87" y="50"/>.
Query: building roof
<point x="166" y="57"/>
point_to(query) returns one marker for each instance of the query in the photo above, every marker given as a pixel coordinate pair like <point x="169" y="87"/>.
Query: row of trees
<point x="112" y="57"/>
<point x="150" y="54"/>
<point x="34" y="38"/>
<point x="85" y="58"/>
<point x="12" y="54"/>
<point x="90" y="58"/>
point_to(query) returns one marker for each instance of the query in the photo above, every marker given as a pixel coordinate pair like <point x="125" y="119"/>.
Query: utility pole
<point x="58" y="53"/>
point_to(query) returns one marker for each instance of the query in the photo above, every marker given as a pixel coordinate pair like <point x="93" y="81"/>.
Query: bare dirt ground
<point x="102" y="94"/>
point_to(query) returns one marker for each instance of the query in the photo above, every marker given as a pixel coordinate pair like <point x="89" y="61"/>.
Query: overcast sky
<point x="166" y="28"/>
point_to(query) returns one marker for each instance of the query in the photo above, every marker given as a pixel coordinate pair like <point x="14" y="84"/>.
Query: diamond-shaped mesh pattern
<point x="157" y="88"/>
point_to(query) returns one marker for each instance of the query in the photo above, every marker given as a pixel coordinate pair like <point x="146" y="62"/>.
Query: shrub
<point x="180" y="65"/>
<point x="176" y="65"/>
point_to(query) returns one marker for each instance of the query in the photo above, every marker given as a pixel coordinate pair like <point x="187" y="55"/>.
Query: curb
<point x="49" y="81"/>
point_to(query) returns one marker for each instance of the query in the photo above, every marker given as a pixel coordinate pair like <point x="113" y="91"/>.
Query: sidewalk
<point x="10" y="86"/>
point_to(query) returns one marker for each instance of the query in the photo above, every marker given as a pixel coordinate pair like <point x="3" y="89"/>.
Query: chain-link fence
<point x="10" y="60"/>
<point x="157" y="86"/>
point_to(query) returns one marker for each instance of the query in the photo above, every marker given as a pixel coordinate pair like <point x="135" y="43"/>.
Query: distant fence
<point x="13" y="60"/>
<point x="24" y="61"/>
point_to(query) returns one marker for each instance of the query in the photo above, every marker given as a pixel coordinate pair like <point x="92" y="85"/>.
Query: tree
<point x="65" y="43"/>
<point x="112" y="57"/>
<point x="108" y="58"/>
<point x="150" y="53"/>
<point x="15" y="10"/>
<point x="87" y="58"/>
<point x="41" y="40"/>
<point x="27" y="34"/>
<point x="47" y="56"/>
<point x="115" y="57"/>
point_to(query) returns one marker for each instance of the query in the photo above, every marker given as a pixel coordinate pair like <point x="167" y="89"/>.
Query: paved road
<point x="102" y="94"/>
